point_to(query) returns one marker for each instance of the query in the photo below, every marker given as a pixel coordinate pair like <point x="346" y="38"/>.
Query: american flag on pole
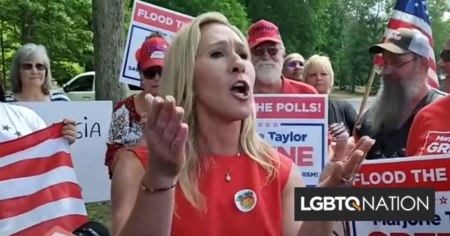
<point x="413" y="14"/>
<point x="38" y="185"/>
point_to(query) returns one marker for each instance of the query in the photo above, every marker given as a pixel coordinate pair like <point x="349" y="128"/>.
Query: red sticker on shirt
<point x="437" y="142"/>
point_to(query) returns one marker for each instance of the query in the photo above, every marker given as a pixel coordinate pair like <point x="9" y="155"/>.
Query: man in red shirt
<point x="267" y="56"/>
<point x="430" y="131"/>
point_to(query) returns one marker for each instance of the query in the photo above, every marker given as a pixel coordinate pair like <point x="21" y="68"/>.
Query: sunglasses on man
<point x="261" y="51"/>
<point x="294" y="64"/>
<point x="445" y="55"/>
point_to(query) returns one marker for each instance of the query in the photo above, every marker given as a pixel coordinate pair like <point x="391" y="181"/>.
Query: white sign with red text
<point x="297" y="126"/>
<point x="430" y="171"/>
<point x="147" y="18"/>
<point x="436" y="142"/>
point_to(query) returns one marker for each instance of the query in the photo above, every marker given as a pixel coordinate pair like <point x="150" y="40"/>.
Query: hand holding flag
<point x="43" y="191"/>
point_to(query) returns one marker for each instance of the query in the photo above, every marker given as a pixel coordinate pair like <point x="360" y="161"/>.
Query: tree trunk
<point x="109" y="40"/>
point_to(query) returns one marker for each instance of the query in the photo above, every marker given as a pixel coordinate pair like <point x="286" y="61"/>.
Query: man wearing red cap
<point x="267" y="56"/>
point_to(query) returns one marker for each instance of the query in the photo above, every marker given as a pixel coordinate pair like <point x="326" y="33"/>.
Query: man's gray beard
<point x="267" y="74"/>
<point x="393" y="103"/>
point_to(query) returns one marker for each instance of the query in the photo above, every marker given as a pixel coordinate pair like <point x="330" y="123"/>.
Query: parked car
<point x="82" y="87"/>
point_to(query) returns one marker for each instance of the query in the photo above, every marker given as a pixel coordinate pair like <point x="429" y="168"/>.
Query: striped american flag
<point x="413" y="14"/>
<point x="38" y="185"/>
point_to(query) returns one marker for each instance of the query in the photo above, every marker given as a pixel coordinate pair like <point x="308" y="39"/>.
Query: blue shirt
<point x="54" y="97"/>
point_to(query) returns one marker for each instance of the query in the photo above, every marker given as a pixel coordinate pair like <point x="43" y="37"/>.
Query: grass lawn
<point x="100" y="212"/>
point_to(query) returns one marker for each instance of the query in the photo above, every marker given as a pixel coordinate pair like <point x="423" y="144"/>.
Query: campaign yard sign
<point x="146" y="19"/>
<point x="297" y="127"/>
<point x="427" y="171"/>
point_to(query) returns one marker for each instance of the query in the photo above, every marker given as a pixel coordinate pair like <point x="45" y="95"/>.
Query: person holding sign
<point x="430" y="131"/>
<point x="18" y="121"/>
<point x="202" y="144"/>
<point x="128" y="114"/>
<point x="267" y="52"/>
<point x="404" y="91"/>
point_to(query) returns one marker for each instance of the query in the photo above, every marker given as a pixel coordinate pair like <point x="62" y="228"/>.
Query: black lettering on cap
<point x="264" y="27"/>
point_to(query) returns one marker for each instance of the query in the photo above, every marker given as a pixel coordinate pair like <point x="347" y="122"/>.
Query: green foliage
<point x="232" y="9"/>
<point x="67" y="68"/>
<point x="342" y="30"/>
<point x="63" y="26"/>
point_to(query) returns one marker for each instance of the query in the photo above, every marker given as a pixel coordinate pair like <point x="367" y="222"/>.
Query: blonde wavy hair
<point x="178" y="81"/>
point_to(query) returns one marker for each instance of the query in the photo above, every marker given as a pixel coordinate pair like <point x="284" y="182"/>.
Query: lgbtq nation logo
<point x="354" y="205"/>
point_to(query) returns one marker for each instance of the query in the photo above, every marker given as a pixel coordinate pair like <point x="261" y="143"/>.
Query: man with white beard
<point x="267" y="56"/>
<point x="404" y="91"/>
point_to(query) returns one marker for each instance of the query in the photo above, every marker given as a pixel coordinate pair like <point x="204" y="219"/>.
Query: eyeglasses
<point x="260" y="51"/>
<point x="29" y="66"/>
<point x="445" y="55"/>
<point x="294" y="64"/>
<point x="395" y="66"/>
<point x="151" y="72"/>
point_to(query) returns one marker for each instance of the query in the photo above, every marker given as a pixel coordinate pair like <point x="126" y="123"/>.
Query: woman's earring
<point x="142" y="84"/>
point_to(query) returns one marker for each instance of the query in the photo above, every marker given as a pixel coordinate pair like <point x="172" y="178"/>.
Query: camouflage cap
<point x="404" y="41"/>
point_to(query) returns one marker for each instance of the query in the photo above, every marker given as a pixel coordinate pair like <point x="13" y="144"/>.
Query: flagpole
<point x="366" y="96"/>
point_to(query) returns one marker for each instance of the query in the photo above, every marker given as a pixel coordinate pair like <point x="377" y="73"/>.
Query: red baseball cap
<point x="152" y="53"/>
<point x="263" y="31"/>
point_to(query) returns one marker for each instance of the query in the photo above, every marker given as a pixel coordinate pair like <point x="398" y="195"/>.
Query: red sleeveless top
<point x="242" y="207"/>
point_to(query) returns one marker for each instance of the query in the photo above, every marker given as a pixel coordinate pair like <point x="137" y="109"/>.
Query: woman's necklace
<point x="227" y="174"/>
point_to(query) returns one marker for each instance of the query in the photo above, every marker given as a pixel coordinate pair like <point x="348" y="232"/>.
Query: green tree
<point x="61" y="25"/>
<point x="440" y="27"/>
<point x="232" y="9"/>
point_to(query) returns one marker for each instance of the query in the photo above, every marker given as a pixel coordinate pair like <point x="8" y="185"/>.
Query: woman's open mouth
<point x="241" y="90"/>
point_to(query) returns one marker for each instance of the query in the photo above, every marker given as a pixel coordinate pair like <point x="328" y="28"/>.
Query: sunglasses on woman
<point x="151" y="72"/>
<point x="29" y="66"/>
<point x="445" y="55"/>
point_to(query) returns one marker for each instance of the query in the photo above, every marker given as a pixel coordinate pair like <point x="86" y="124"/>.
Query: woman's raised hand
<point x="166" y="136"/>
<point x="342" y="167"/>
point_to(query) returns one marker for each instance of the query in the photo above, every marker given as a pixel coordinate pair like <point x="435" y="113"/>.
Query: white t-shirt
<point x="17" y="121"/>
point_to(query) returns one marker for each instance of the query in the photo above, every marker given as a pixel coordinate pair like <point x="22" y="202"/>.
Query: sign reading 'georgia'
<point x="297" y="126"/>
